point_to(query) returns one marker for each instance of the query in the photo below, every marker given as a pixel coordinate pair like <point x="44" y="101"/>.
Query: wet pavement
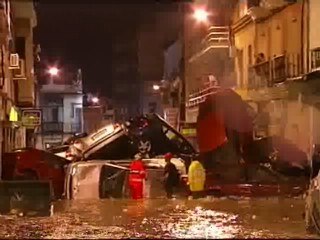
<point x="161" y="218"/>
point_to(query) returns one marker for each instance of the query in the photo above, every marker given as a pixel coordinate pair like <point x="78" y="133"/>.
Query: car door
<point x="113" y="181"/>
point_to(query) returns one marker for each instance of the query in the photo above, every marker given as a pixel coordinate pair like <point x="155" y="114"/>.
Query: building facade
<point x="61" y="102"/>
<point x="17" y="20"/>
<point x="124" y="76"/>
<point x="96" y="115"/>
<point x="277" y="56"/>
<point x="207" y="62"/>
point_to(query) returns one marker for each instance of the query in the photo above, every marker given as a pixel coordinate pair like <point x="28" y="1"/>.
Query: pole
<point x="183" y="68"/>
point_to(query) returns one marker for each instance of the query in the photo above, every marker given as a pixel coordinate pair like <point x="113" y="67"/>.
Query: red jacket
<point x="137" y="172"/>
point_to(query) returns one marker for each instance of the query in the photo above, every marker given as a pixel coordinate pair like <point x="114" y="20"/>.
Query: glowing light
<point x="156" y="87"/>
<point x="201" y="15"/>
<point x="53" y="71"/>
<point x="95" y="100"/>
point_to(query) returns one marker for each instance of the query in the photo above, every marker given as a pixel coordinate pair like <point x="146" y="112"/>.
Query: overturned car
<point x="98" y="179"/>
<point x="149" y="135"/>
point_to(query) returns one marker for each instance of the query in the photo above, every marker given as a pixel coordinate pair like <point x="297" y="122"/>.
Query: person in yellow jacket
<point x="196" y="178"/>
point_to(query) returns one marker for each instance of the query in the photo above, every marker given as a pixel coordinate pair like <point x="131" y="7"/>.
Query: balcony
<point x="52" y="127"/>
<point x="199" y="96"/>
<point x="25" y="10"/>
<point x="60" y="127"/>
<point x="276" y="70"/>
<point x="218" y="37"/>
<point x="315" y="59"/>
<point x="259" y="75"/>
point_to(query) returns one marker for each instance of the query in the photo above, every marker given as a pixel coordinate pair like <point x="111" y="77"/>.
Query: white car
<point x="97" y="179"/>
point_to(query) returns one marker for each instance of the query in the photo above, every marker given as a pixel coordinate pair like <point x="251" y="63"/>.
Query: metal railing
<point x="315" y="58"/>
<point x="60" y="127"/>
<point x="275" y="70"/>
<point x="218" y="37"/>
<point x="259" y="75"/>
<point x="200" y="95"/>
<point x="52" y="127"/>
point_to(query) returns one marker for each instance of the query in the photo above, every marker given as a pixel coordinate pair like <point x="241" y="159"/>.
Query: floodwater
<point x="162" y="218"/>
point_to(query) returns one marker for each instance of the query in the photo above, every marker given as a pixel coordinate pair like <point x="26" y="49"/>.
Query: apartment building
<point x="207" y="62"/>
<point x="277" y="55"/>
<point x="17" y="80"/>
<point x="61" y="102"/>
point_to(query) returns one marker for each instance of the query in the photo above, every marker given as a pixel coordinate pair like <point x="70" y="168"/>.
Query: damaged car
<point x="99" y="179"/>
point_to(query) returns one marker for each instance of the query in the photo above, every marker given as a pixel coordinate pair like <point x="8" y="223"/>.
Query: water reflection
<point x="202" y="223"/>
<point x="163" y="219"/>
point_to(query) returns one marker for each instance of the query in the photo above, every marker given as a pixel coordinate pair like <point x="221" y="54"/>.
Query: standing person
<point x="137" y="177"/>
<point x="171" y="176"/>
<point x="197" y="178"/>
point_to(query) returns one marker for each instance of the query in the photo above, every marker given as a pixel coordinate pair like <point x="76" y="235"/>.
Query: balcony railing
<point x="52" y="127"/>
<point x="259" y="75"/>
<point x="315" y="58"/>
<point x="276" y="70"/>
<point x="199" y="96"/>
<point x="218" y="37"/>
<point x="60" y="127"/>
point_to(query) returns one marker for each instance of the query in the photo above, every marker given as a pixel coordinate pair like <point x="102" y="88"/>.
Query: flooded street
<point x="205" y="218"/>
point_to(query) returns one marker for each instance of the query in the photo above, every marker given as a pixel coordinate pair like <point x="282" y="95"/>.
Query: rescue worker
<point x="136" y="177"/>
<point x="171" y="176"/>
<point x="196" y="178"/>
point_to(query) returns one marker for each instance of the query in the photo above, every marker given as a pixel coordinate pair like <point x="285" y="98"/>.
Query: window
<point x="21" y="47"/>
<point x="55" y="114"/>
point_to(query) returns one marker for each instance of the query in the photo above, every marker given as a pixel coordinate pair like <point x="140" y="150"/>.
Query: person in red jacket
<point x="137" y="177"/>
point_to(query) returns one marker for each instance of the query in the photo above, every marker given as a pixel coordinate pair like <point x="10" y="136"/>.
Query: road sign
<point x="31" y="117"/>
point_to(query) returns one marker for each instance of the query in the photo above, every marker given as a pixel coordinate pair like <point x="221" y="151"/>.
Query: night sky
<point x="81" y="34"/>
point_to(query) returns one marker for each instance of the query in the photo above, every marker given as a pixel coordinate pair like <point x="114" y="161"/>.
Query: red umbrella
<point x="235" y="111"/>
<point x="221" y="110"/>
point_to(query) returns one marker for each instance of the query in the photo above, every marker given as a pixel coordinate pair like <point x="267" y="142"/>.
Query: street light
<point x="53" y="71"/>
<point x="156" y="87"/>
<point x="95" y="100"/>
<point x="201" y="15"/>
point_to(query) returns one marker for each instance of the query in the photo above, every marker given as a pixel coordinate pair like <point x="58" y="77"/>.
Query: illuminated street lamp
<point x="201" y="15"/>
<point x="156" y="87"/>
<point x="53" y="71"/>
<point x="95" y="100"/>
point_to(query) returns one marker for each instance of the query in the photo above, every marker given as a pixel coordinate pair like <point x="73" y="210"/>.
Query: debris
<point x="254" y="217"/>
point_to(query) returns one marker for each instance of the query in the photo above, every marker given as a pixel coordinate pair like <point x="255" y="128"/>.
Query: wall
<point x="314" y="24"/>
<point x="298" y="127"/>
<point x="93" y="118"/>
<point x="24" y="28"/>
<point x="243" y="39"/>
<point x="172" y="59"/>
<point x="70" y="104"/>
<point x="151" y="96"/>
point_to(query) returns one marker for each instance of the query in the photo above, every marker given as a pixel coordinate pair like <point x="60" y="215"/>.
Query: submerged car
<point x="96" y="179"/>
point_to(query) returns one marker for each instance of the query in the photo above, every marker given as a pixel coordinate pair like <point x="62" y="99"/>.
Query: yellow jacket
<point x="196" y="176"/>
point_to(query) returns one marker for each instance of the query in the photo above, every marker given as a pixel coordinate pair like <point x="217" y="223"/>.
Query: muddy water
<point x="204" y="218"/>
